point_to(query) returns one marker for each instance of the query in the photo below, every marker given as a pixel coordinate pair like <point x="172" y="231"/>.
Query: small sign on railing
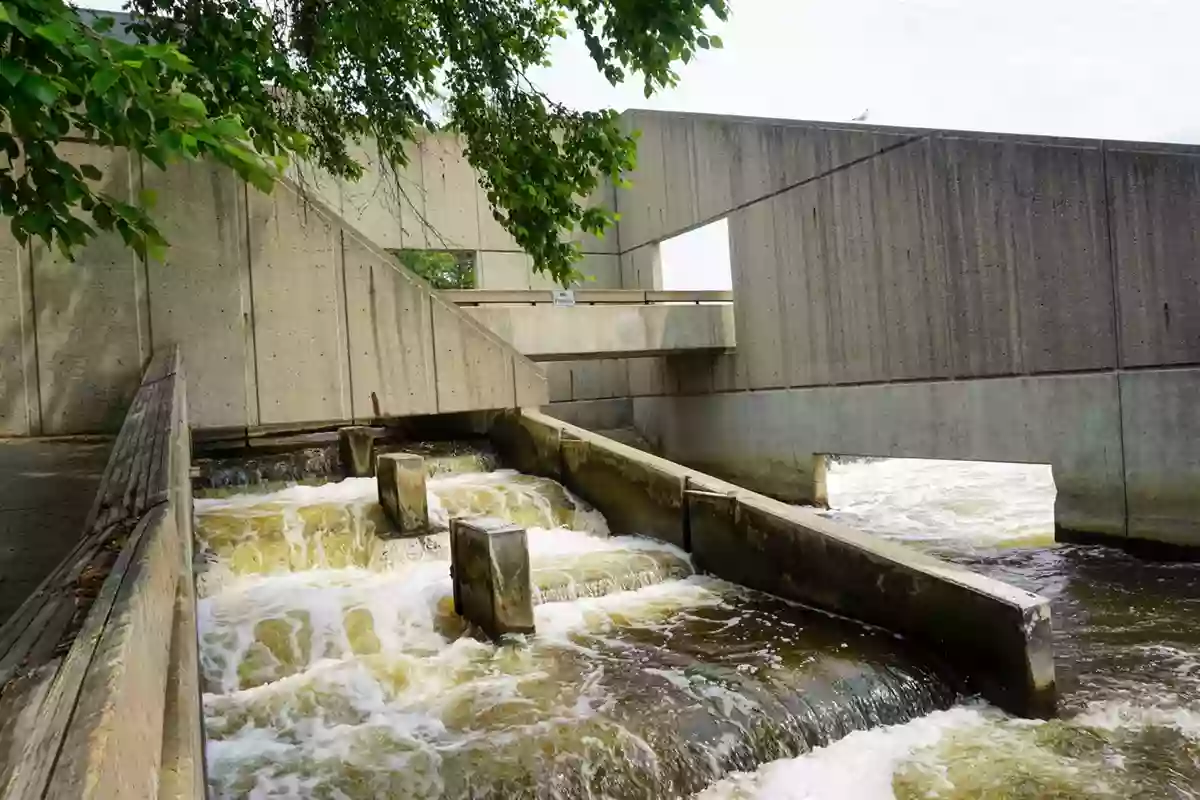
<point x="564" y="297"/>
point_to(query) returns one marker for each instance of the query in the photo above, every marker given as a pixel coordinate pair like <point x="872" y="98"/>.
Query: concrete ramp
<point x="342" y="332"/>
<point x="285" y="313"/>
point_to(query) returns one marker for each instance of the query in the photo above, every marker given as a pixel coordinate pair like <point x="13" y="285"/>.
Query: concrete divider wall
<point x="996" y="635"/>
<point x="119" y="715"/>
<point x="285" y="314"/>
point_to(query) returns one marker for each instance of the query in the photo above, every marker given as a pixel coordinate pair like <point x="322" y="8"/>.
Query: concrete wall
<point x="285" y="314"/>
<point x="941" y="295"/>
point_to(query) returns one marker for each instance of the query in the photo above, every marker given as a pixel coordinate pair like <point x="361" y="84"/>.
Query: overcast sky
<point x="1123" y="69"/>
<point x="1103" y="68"/>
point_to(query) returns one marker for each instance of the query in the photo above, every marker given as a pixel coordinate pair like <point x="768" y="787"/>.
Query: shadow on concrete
<point x="46" y="491"/>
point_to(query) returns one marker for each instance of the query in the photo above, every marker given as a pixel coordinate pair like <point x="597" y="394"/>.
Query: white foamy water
<point x="967" y="503"/>
<point x="860" y="766"/>
<point x="1130" y="729"/>
<point x="333" y="662"/>
<point x="334" y="666"/>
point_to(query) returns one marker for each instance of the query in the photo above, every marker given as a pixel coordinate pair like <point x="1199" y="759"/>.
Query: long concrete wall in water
<point x="285" y="314"/>
<point x="996" y="636"/>
<point x="939" y="294"/>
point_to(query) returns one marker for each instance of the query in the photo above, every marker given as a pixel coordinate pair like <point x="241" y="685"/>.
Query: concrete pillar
<point x="356" y="445"/>
<point x="490" y="570"/>
<point x="401" y="478"/>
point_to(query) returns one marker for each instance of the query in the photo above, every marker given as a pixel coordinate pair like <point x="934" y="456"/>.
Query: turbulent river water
<point x="335" y="667"/>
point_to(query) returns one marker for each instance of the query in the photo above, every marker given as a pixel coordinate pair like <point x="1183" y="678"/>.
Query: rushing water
<point x="334" y="665"/>
<point x="1127" y="644"/>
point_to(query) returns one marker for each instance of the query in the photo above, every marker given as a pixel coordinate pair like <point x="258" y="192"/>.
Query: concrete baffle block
<point x="490" y="568"/>
<point x="401" y="478"/>
<point x="356" y="446"/>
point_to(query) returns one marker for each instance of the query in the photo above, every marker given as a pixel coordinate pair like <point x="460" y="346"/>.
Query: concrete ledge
<point x="553" y="333"/>
<point x="996" y="635"/>
<point x="528" y="444"/>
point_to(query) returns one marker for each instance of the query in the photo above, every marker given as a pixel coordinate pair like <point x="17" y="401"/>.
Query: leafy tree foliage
<point x="444" y="269"/>
<point x="254" y="85"/>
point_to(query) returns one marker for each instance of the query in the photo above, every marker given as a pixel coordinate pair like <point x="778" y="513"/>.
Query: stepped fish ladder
<point x="334" y="665"/>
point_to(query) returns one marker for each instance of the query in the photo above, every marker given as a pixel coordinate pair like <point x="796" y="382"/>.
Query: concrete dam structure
<point x="269" y="594"/>
<point x="937" y="294"/>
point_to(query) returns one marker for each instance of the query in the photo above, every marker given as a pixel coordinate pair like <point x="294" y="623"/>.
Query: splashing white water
<point x="334" y="665"/>
<point x="977" y="511"/>
<point x="969" y="503"/>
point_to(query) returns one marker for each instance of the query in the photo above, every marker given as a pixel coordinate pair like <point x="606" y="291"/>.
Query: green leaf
<point x="716" y="42"/>
<point x="103" y="24"/>
<point x="703" y="42"/>
<point x="55" y="32"/>
<point x="147" y="198"/>
<point x="192" y="103"/>
<point x="91" y="172"/>
<point x="4" y="14"/>
<point x="39" y="88"/>
<point x="11" y="71"/>
<point x="103" y="80"/>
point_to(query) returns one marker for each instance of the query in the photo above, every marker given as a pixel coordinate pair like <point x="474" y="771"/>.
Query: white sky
<point x="1121" y="69"/>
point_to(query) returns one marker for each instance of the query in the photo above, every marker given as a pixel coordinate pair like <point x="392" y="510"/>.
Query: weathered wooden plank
<point x="31" y="774"/>
<point x="112" y="487"/>
<point x="113" y="746"/>
<point x="36" y="622"/>
<point x="15" y="653"/>
<point x="156" y="479"/>
<point x="163" y="363"/>
<point x="142" y="452"/>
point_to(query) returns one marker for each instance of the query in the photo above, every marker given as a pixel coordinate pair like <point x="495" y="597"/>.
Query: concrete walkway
<point x="46" y="490"/>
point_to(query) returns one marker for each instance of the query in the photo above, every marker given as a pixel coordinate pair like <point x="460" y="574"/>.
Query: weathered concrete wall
<point x="881" y="275"/>
<point x="998" y="636"/>
<point x="285" y="313"/>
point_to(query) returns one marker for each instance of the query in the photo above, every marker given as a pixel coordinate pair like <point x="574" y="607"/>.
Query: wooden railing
<point x="582" y="297"/>
<point x="100" y="692"/>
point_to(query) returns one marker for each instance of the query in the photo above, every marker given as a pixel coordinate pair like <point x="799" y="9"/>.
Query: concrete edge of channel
<point x="996" y="636"/>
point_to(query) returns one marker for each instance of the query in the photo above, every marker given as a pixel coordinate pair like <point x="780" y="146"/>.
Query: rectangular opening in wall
<point x="972" y="512"/>
<point x="444" y="269"/>
<point x="697" y="261"/>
